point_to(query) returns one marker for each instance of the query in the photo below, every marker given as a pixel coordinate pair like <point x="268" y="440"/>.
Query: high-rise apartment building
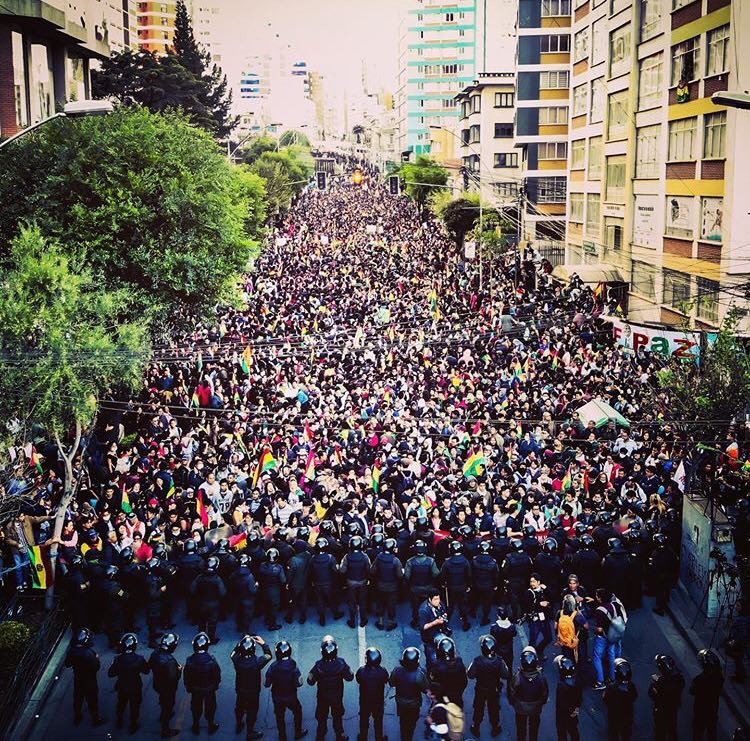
<point x="658" y="173"/>
<point x="155" y="24"/>
<point x="542" y="112"/>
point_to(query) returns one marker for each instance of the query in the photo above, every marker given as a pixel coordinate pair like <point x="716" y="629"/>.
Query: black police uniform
<point x="409" y="685"/>
<point x="329" y="676"/>
<point x="456" y="574"/>
<point x="272" y="579"/>
<point x="243" y="589"/>
<point x="549" y="567"/>
<point x="202" y="678"/>
<point x="504" y="632"/>
<point x="619" y="698"/>
<point x="154" y="585"/>
<point x="387" y="573"/>
<point x="665" y="690"/>
<point x="448" y="679"/>
<point x="488" y="673"/>
<point x="284" y="678"/>
<point x="586" y="565"/>
<point x="528" y="692"/>
<point x="663" y="565"/>
<point x="77" y="590"/>
<point x="128" y="667"/>
<point x="356" y="568"/>
<point x="132" y="576"/>
<point x="84" y="662"/>
<point x="166" y="672"/>
<point x="114" y="600"/>
<point x="372" y="681"/>
<point x="188" y="568"/>
<point x="247" y="686"/>
<point x="297" y="576"/>
<point x="616" y="572"/>
<point x="323" y="571"/>
<point x="516" y="571"/>
<point x="568" y="701"/>
<point x="207" y="592"/>
<point x="420" y="574"/>
<point x="485" y="574"/>
<point x="706" y="689"/>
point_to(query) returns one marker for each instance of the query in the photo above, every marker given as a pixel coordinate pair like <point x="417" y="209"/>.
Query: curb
<point x="728" y="692"/>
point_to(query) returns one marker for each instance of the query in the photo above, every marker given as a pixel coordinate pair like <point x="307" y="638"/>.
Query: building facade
<point x="543" y="68"/>
<point x="656" y="168"/>
<point x="155" y="22"/>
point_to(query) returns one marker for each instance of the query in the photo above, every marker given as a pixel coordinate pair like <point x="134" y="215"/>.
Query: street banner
<point x="680" y="344"/>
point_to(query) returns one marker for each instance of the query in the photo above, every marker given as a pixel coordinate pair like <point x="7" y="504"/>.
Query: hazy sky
<point x="332" y="36"/>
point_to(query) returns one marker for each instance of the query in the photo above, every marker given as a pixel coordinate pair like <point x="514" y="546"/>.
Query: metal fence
<point x="34" y="660"/>
<point x="552" y="251"/>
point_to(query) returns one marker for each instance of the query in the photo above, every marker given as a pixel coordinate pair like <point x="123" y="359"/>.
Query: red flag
<point x="202" y="511"/>
<point x="476" y="428"/>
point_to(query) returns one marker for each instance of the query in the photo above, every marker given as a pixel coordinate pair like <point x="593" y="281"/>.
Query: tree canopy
<point x="297" y="138"/>
<point x="422" y="178"/>
<point x="143" y="201"/>
<point x="286" y="172"/>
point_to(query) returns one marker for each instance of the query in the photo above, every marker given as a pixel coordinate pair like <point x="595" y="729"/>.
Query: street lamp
<point x="731" y="100"/>
<point x="76" y="109"/>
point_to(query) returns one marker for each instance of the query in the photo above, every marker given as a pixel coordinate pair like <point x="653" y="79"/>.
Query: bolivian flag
<point x="125" y="506"/>
<point x="474" y="465"/>
<point x="310" y="466"/>
<point x="266" y="462"/>
<point x="246" y="359"/>
<point x="41" y="568"/>
<point x="376" y="473"/>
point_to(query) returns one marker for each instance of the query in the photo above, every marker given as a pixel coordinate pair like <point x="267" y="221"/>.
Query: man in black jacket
<point x="488" y="669"/>
<point x="202" y="678"/>
<point x="247" y="667"/>
<point x="272" y="579"/>
<point x="410" y="682"/>
<point x="284" y="679"/>
<point x="485" y="575"/>
<point x="329" y="673"/>
<point x="456" y="575"/>
<point x="297" y="575"/>
<point x="528" y="693"/>
<point x="243" y="588"/>
<point x="706" y="691"/>
<point x="207" y="592"/>
<point x="448" y="673"/>
<point x="355" y="567"/>
<point x="323" y="573"/>
<point x="167" y="673"/>
<point x="372" y="679"/>
<point x="128" y="667"/>
<point x="387" y="573"/>
<point x="665" y="691"/>
<point x="84" y="662"/>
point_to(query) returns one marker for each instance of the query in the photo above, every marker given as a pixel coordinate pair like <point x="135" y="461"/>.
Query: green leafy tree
<point x="252" y="189"/>
<point x="460" y="215"/>
<point x="64" y="342"/>
<point x="255" y="147"/>
<point x="296" y="138"/>
<point x="144" y="201"/>
<point x="422" y="178"/>
<point x="285" y="174"/>
<point x="214" y="93"/>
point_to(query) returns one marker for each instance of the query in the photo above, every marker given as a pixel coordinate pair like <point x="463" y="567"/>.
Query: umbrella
<point x="601" y="412"/>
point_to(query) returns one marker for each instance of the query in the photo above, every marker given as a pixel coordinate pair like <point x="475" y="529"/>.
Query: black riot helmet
<point x="422" y="524"/>
<point x="377" y="540"/>
<point x="501" y="531"/>
<point x="111" y="572"/>
<point x="281" y="534"/>
<point x="373" y="657"/>
<point x="84" y="638"/>
<point x="550" y="545"/>
<point x="76" y="562"/>
<point x="587" y="541"/>
<point x="517" y="545"/>
<point x="321" y="545"/>
<point x="456" y="548"/>
<point x="283" y="650"/>
<point x="128" y="643"/>
<point x="303" y="533"/>
<point x="484" y="548"/>
<point x="329" y="648"/>
<point x="326" y="526"/>
<point x="604" y="517"/>
<point x="708" y="658"/>
<point x="153" y="564"/>
<point x="446" y="648"/>
<point x="529" y="659"/>
<point x="567" y="669"/>
<point x="212" y="564"/>
<point x="614" y="543"/>
<point x="410" y="658"/>
<point x="353" y="529"/>
<point x="660" y="539"/>
<point x="190" y="546"/>
<point x="245" y="647"/>
<point x="355" y="544"/>
<point x="244" y="560"/>
<point x="420" y="547"/>
<point x="253" y="538"/>
<point x="390" y="545"/>
<point x="223" y="545"/>
<point x="488" y="646"/>
<point x="529" y="531"/>
<point x="201" y="642"/>
<point x="168" y="642"/>
<point x="376" y="529"/>
<point x="272" y="555"/>
<point x="623" y="672"/>
<point x="665" y="663"/>
<point x="580" y="528"/>
<point x="127" y="555"/>
<point x="160" y="551"/>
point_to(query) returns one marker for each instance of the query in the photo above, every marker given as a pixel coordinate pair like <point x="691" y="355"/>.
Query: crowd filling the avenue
<point x="380" y="424"/>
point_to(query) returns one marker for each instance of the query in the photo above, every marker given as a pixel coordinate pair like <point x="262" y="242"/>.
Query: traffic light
<point x="321" y="176"/>
<point x="393" y="185"/>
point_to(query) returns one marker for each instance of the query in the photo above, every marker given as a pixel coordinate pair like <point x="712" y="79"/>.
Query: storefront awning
<point x="590" y="274"/>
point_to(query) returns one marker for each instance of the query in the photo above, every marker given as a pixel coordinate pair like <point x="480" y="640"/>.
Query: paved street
<point x="646" y="635"/>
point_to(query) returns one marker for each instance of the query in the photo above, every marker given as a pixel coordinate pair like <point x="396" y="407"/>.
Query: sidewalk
<point x="698" y="632"/>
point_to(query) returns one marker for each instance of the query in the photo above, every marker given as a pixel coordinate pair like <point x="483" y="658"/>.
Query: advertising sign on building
<point x="645" y="231"/>
<point x="679" y="216"/>
<point x="711" y="216"/>
<point x="470" y="250"/>
<point x="669" y="343"/>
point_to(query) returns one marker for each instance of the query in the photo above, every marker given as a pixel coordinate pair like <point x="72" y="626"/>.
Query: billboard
<point x="667" y="342"/>
<point x="645" y="232"/>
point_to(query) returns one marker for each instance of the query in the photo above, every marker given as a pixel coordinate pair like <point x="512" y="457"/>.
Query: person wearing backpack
<point x="528" y="693"/>
<point x="570" y="624"/>
<point x="611" y="620"/>
<point x="445" y="720"/>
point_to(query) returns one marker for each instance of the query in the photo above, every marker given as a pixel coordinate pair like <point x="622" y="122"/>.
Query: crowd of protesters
<point x="375" y="425"/>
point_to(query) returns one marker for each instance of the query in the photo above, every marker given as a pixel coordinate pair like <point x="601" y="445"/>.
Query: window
<point x="650" y="18"/>
<point x="714" y="135"/>
<point x="686" y="60"/>
<point x="650" y="81"/>
<point x="682" y="140"/>
<point x="581" y="45"/>
<point x="504" y="100"/>
<point x="617" y="115"/>
<point x="576" y="208"/>
<point x="619" y="51"/>
<point x="553" y="116"/>
<point x="503" y="130"/>
<point x="474" y="134"/>
<point x="552" y="151"/>
<point x="597" y="100"/>
<point x="449" y="17"/>
<point x="676" y="289"/>
<point x="503" y="159"/>
<point x="712" y="213"/>
<point x="643" y="280"/>
<point x="476" y="103"/>
<point x="717" y="44"/>
<point x="554" y="80"/>
<point x="616" y="179"/>
<point x="595" y="158"/>
<point x="613" y="234"/>
<point x="551" y="190"/>
<point x="599" y="41"/>
<point x="592" y="214"/>
<point x="554" y="44"/>
<point x="578" y="154"/>
<point x="676" y="4"/>
<point x="647" y="151"/>
<point x="708" y="299"/>
<point x="19" y="80"/>
<point x="553" y="8"/>
<point x="580" y="100"/>
<point x="506" y="190"/>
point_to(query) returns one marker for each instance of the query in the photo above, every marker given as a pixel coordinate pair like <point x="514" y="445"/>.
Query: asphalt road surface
<point x="647" y="635"/>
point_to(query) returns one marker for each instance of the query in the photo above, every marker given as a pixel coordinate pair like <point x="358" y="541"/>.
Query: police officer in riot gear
<point x="323" y="572"/>
<point x="387" y="573"/>
<point x="456" y="575"/>
<point x="706" y="691"/>
<point x="568" y="700"/>
<point x="372" y="679"/>
<point x="127" y="667"/>
<point x="485" y="575"/>
<point x="84" y="662"/>
<point x="448" y="673"/>
<point x="355" y="567"/>
<point x="284" y="678"/>
<point x="619" y="699"/>
<point x="188" y="568"/>
<point x="547" y="564"/>
<point x="272" y="579"/>
<point x="207" y="592"/>
<point x="587" y="564"/>
<point x="242" y="590"/>
<point x="409" y="682"/>
<point x="662" y="567"/>
<point x="202" y="678"/>
<point x="113" y="602"/>
<point x="298" y="575"/>
<point x="516" y="570"/>
<point x="665" y="691"/>
<point x="167" y="672"/>
<point x="487" y="669"/>
<point x="247" y="668"/>
<point x="329" y="674"/>
<point x="421" y="573"/>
